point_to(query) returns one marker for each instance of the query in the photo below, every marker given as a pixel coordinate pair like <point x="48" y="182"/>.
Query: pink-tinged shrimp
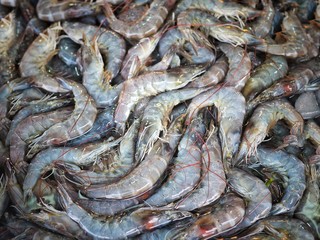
<point x="230" y="116"/>
<point x="272" y="69"/>
<point x="298" y="43"/>
<point x="55" y="10"/>
<point x="295" y="81"/>
<point x="9" y="3"/>
<point x="223" y="217"/>
<point x="144" y="177"/>
<point x="147" y="24"/>
<point x="80" y="121"/>
<point x="263" y="119"/>
<point x="262" y="25"/>
<point x="213" y="180"/>
<point x="239" y="66"/>
<point x="256" y="194"/>
<point x="209" y="24"/>
<point x="111" y="45"/>
<point x="215" y="74"/>
<point x="40" y="52"/>
<point x="138" y="55"/>
<point x="81" y="155"/>
<point x="129" y="225"/>
<point x="150" y="84"/>
<point x="156" y="115"/>
<point x="7" y="33"/>
<point x="186" y="169"/>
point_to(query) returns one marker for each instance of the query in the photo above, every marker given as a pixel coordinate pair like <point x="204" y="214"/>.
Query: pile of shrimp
<point x="160" y="119"/>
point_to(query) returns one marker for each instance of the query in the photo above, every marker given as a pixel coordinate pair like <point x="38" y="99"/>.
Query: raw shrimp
<point x="129" y="225"/>
<point x="111" y="45"/>
<point x="262" y="25"/>
<point x="55" y="10"/>
<point x="40" y="52"/>
<point x="147" y="25"/>
<point x="144" y="177"/>
<point x="272" y="69"/>
<point x="209" y="24"/>
<point x="215" y="74"/>
<point x="156" y="114"/>
<point x="229" y="10"/>
<point x="186" y="170"/>
<point x="298" y="43"/>
<point x="296" y="80"/>
<point x="292" y="168"/>
<point x="150" y="84"/>
<point x="213" y="180"/>
<point x="263" y="119"/>
<point x="230" y="116"/>
<point x="223" y="217"/>
<point x="7" y="33"/>
<point x="279" y="227"/>
<point x="239" y="66"/>
<point x="80" y="121"/>
<point x="256" y="194"/>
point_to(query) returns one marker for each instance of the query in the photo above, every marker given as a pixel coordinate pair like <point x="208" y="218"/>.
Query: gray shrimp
<point x="239" y="66"/>
<point x="223" y="217"/>
<point x="289" y="166"/>
<point x="213" y="180"/>
<point x="186" y="170"/>
<point x="129" y="225"/>
<point x="263" y="119"/>
<point x="230" y="120"/>
<point x="272" y="69"/>
<point x="150" y="84"/>
<point x="156" y="113"/>
<point x="143" y="178"/>
<point x="148" y="24"/>
<point x="256" y="194"/>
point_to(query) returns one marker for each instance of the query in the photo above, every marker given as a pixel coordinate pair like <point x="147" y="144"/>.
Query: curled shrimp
<point x="147" y="25"/>
<point x="40" y="52"/>
<point x="298" y="43"/>
<point x="230" y="116"/>
<point x="263" y="119"/>
<point x="54" y="10"/>
<point x="150" y="84"/>
<point x="143" y="178"/>
<point x="223" y="217"/>
<point x="272" y="69"/>
<point x="239" y="66"/>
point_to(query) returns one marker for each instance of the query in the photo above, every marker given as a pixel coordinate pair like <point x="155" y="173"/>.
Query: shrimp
<point x="213" y="180"/>
<point x="279" y="227"/>
<point x="239" y="66"/>
<point x="143" y="178"/>
<point x="150" y="84"/>
<point x="156" y="113"/>
<point x="186" y="169"/>
<point x="263" y="119"/>
<point x="54" y="10"/>
<point x="129" y="225"/>
<point x="230" y="116"/>
<point x="256" y="194"/>
<point x="262" y="25"/>
<point x="7" y="33"/>
<point x="112" y="46"/>
<point x="224" y="216"/>
<point x="298" y="45"/>
<point x="229" y="10"/>
<point x="272" y="69"/>
<point x="147" y="25"/>
<point x="40" y="52"/>
<point x="212" y="26"/>
<point x="296" y="80"/>
<point x="43" y="161"/>
<point x="294" y="171"/>
<point x="80" y="121"/>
